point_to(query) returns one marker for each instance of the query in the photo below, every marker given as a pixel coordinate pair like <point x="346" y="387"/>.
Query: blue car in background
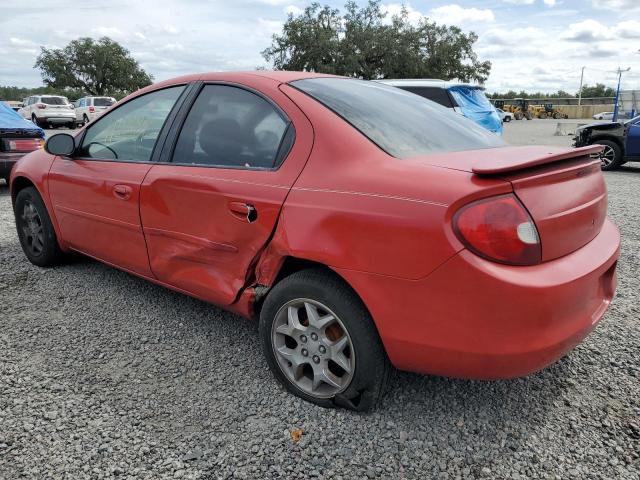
<point x="466" y="99"/>
<point x="17" y="138"/>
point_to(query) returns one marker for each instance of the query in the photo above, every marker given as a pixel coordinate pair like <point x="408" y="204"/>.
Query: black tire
<point x="85" y="119"/>
<point x="49" y="253"/>
<point x="35" y="121"/>
<point x="506" y="119"/>
<point x="542" y="115"/>
<point x="372" y="367"/>
<point x="72" y="126"/>
<point x="518" y="115"/>
<point x="617" y="155"/>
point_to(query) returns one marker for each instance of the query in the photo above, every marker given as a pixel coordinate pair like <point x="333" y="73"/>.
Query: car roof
<point x="278" y="75"/>
<point x="426" y="82"/>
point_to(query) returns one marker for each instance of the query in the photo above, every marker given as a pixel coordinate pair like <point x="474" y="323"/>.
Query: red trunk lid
<point x="562" y="188"/>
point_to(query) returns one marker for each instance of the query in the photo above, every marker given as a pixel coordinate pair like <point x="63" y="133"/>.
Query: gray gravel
<point x="104" y="375"/>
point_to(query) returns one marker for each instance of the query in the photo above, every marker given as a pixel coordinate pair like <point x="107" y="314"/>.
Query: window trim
<point x="166" y="158"/>
<point x="163" y="130"/>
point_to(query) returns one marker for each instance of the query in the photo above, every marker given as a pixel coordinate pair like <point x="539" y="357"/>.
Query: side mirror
<point x="61" y="144"/>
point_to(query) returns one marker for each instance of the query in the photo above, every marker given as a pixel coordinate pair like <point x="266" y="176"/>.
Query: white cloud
<point x="20" y="42"/>
<point x="292" y="9"/>
<point x="275" y="3"/>
<point x="455" y="14"/>
<point x="393" y="9"/>
<point x="520" y="2"/>
<point x="108" y="32"/>
<point x="588" y="31"/>
<point x="629" y="29"/>
<point x="551" y="3"/>
<point x="616" y="4"/>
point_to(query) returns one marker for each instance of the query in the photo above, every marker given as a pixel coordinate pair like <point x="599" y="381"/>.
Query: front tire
<point x="506" y="119"/>
<point x="321" y="343"/>
<point x="35" y="231"/>
<point x="611" y="156"/>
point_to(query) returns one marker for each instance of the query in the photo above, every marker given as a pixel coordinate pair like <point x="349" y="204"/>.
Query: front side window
<point x="129" y="133"/>
<point x="400" y="123"/>
<point x="232" y="127"/>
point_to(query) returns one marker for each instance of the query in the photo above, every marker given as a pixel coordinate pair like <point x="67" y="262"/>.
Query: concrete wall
<point x="585" y="111"/>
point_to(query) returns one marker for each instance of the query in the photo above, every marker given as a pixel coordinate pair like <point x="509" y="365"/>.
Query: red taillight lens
<point x="92" y="109"/>
<point x="499" y="229"/>
<point x="41" y="106"/>
<point x="23" y="145"/>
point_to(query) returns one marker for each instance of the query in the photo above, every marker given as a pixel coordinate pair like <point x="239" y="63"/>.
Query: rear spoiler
<point x="531" y="157"/>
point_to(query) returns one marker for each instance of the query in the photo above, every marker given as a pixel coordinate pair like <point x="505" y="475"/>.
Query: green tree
<point x="599" y="90"/>
<point x="362" y="43"/>
<point x="98" y="67"/>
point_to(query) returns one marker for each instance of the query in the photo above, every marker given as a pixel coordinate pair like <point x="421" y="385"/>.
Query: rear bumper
<point x="472" y="318"/>
<point x="7" y="161"/>
<point x="57" y="117"/>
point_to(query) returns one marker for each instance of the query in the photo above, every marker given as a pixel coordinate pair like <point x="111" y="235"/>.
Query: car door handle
<point x="123" y="192"/>
<point x="243" y="211"/>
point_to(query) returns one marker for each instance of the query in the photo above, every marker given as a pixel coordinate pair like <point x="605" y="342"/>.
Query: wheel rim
<point x="313" y="348"/>
<point x="606" y="156"/>
<point x="32" y="229"/>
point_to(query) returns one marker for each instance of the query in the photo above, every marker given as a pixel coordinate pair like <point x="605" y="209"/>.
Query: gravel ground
<point x="104" y="375"/>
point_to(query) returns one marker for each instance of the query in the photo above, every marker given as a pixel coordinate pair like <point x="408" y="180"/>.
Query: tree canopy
<point x="98" y="67"/>
<point x="598" y="90"/>
<point x="363" y="42"/>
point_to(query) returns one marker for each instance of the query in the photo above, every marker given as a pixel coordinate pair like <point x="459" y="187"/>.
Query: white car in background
<point x="90" y="108"/>
<point x="505" y="116"/>
<point x="48" y="110"/>
<point x="603" y="116"/>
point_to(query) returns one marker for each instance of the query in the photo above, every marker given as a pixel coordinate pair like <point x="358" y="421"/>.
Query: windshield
<point x="103" y="101"/>
<point x="54" y="100"/>
<point x="399" y="122"/>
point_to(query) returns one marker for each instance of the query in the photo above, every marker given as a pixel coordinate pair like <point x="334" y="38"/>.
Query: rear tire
<point x="35" y="121"/>
<point x="611" y="156"/>
<point x="311" y="325"/>
<point x="506" y="119"/>
<point x="85" y="119"/>
<point x="35" y="231"/>
<point x="543" y="115"/>
<point x="518" y="116"/>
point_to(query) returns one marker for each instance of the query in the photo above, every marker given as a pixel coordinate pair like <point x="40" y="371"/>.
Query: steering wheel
<point x="107" y="147"/>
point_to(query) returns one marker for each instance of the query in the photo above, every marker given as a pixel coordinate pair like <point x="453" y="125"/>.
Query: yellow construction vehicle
<point x="518" y="106"/>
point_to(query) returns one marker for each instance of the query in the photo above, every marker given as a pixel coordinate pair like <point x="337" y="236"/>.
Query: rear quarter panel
<point x="355" y="207"/>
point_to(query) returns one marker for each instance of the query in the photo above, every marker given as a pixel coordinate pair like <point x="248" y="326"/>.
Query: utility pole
<point x="615" y="106"/>
<point x="580" y="94"/>
<point x="580" y="91"/>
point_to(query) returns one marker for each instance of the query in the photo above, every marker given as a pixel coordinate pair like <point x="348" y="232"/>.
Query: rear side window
<point x="435" y="94"/>
<point x="400" y="123"/>
<point x="231" y="127"/>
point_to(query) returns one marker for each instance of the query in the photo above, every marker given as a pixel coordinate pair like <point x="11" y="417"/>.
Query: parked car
<point x="620" y="141"/>
<point x="468" y="100"/>
<point x="505" y="116"/>
<point x="363" y="225"/>
<point x="603" y="116"/>
<point x="48" y="110"/>
<point x="13" y="104"/>
<point x="17" y="137"/>
<point x="90" y="108"/>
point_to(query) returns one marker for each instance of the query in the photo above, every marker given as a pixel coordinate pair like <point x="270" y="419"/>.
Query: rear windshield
<point x="103" y="102"/>
<point x="54" y="100"/>
<point x="401" y="123"/>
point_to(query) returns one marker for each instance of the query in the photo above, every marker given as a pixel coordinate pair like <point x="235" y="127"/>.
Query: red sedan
<point x="365" y="226"/>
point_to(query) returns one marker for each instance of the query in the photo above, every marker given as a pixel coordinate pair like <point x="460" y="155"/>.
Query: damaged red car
<point x="366" y="227"/>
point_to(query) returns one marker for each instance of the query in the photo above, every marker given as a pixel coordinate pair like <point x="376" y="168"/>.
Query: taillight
<point x="499" y="229"/>
<point x="41" y="106"/>
<point x="23" y="145"/>
<point x="92" y="109"/>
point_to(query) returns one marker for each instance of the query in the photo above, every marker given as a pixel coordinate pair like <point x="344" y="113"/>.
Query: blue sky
<point x="532" y="44"/>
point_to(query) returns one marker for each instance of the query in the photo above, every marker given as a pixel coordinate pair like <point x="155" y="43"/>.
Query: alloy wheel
<point x="606" y="156"/>
<point x="32" y="229"/>
<point x="313" y="348"/>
